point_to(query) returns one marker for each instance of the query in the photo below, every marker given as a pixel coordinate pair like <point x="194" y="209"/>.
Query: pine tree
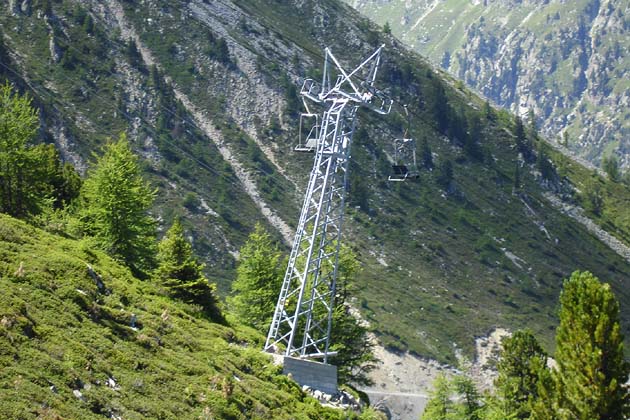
<point x="63" y="179"/>
<point x="115" y="207"/>
<point x="258" y="280"/>
<point x="592" y="372"/>
<point x="520" y="364"/>
<point x="182" y="275"/>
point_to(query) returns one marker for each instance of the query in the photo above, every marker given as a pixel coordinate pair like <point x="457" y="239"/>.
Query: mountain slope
<point x="565" y="61"/>
<point x="208" y="96"/>
<point x="81" y="338"/>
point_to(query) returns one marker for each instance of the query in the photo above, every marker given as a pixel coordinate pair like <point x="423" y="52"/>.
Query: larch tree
<point x="180" y="273"/>
<point x="115" y="207"/>
<point x="32" y="176"/>
<point x="23" y="186"/>
<point x="258" y="280"/>
<point x="590" y="380"/>
<point x="440" y="405"/>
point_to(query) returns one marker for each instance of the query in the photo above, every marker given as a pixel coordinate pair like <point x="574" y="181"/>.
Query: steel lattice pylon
<point x="303" y="315"/>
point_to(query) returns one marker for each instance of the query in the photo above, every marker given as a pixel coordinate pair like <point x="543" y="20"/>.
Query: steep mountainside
<point x="207" y="93"/>
<point x="568" y="62"/>
<point x="81" y="338"/>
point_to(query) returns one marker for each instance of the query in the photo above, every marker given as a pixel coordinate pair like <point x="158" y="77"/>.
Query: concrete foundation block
<point x="316" y="375"/>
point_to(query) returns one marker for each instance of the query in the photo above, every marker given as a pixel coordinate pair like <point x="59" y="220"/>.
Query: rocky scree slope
<point x="565" y="61"/>
<point x="207" y="93"/>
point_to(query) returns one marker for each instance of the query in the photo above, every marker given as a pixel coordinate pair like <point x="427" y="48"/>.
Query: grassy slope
<point x="436" y="266"/>
<point x="59" y="332"/>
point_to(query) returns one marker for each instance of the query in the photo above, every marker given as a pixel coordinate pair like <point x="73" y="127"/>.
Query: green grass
<point x="60" y="333"/>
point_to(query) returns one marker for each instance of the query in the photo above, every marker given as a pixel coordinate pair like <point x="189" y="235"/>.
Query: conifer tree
<point x="180" y="273"/>
<point x="521" y="362"/>
<point x="543" y="163"/>
<point x="115" y="207"/>
<point x="426" y="156"/>
<point x="440" y="405"/>
<point x="456" y="398"/>
<point x="590" y="381"/>
<point x="349" y="336"/>
<point x="522" y="142"/>
<point x="258" y="280"/>
<point x="23" y="185"/>
<point x="610" y="165"/>
<point x="469" y="405"/>
<point x="445" y="174"/>
<point x="517" y="178"/>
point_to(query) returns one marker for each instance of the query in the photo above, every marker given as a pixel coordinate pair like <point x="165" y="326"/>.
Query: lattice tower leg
<point x="303" y="313"/>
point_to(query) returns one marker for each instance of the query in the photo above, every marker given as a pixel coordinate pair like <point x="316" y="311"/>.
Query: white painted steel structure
<point x="303" y="316"/>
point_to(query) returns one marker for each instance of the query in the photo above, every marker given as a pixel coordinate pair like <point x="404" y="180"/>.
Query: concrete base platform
<point x="316" y="375"/>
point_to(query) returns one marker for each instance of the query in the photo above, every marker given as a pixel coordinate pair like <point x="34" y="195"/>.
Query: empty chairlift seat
<point x="404" y="168"/>
<point x="308" y="143"/>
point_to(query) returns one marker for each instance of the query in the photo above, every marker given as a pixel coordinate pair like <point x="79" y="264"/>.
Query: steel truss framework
<point x="303" y="315"/>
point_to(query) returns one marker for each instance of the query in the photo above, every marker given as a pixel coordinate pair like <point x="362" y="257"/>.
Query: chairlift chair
<point x="404" y="167"/>
<point x="308" y="143"/>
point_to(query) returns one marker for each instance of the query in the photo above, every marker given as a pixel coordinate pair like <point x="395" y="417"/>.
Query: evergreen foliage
<point x="517" y="178"/>
<point x="426" y="156"/>
<point x="445" y="174"/>
<point x="180" y="273"/>
<point x="544" y="165"/>
<point x="472" y="138"/>
<point x="469" y="407"/>
<point x="591" y="377"/>
<point x="439" y="105"/>
<point x="521" y="361"/>
<point x="456" y="398"/>
<point x="610" y="165"/>
<point x="62" y="177"/>
<point x="523" y="144"/>
<point x="115" y="207"/>
<point x="440" y="406"/>
<point x="133" y="55"/>
<point x="593" y="197"/>
<point x="30" y="174"/>
<point x="258" y="280"/>
<point x="349" y="336"/>
<point x="22" y="185"/>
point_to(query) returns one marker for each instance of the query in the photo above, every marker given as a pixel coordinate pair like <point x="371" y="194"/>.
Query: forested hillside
<point x="206" y="93"/>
